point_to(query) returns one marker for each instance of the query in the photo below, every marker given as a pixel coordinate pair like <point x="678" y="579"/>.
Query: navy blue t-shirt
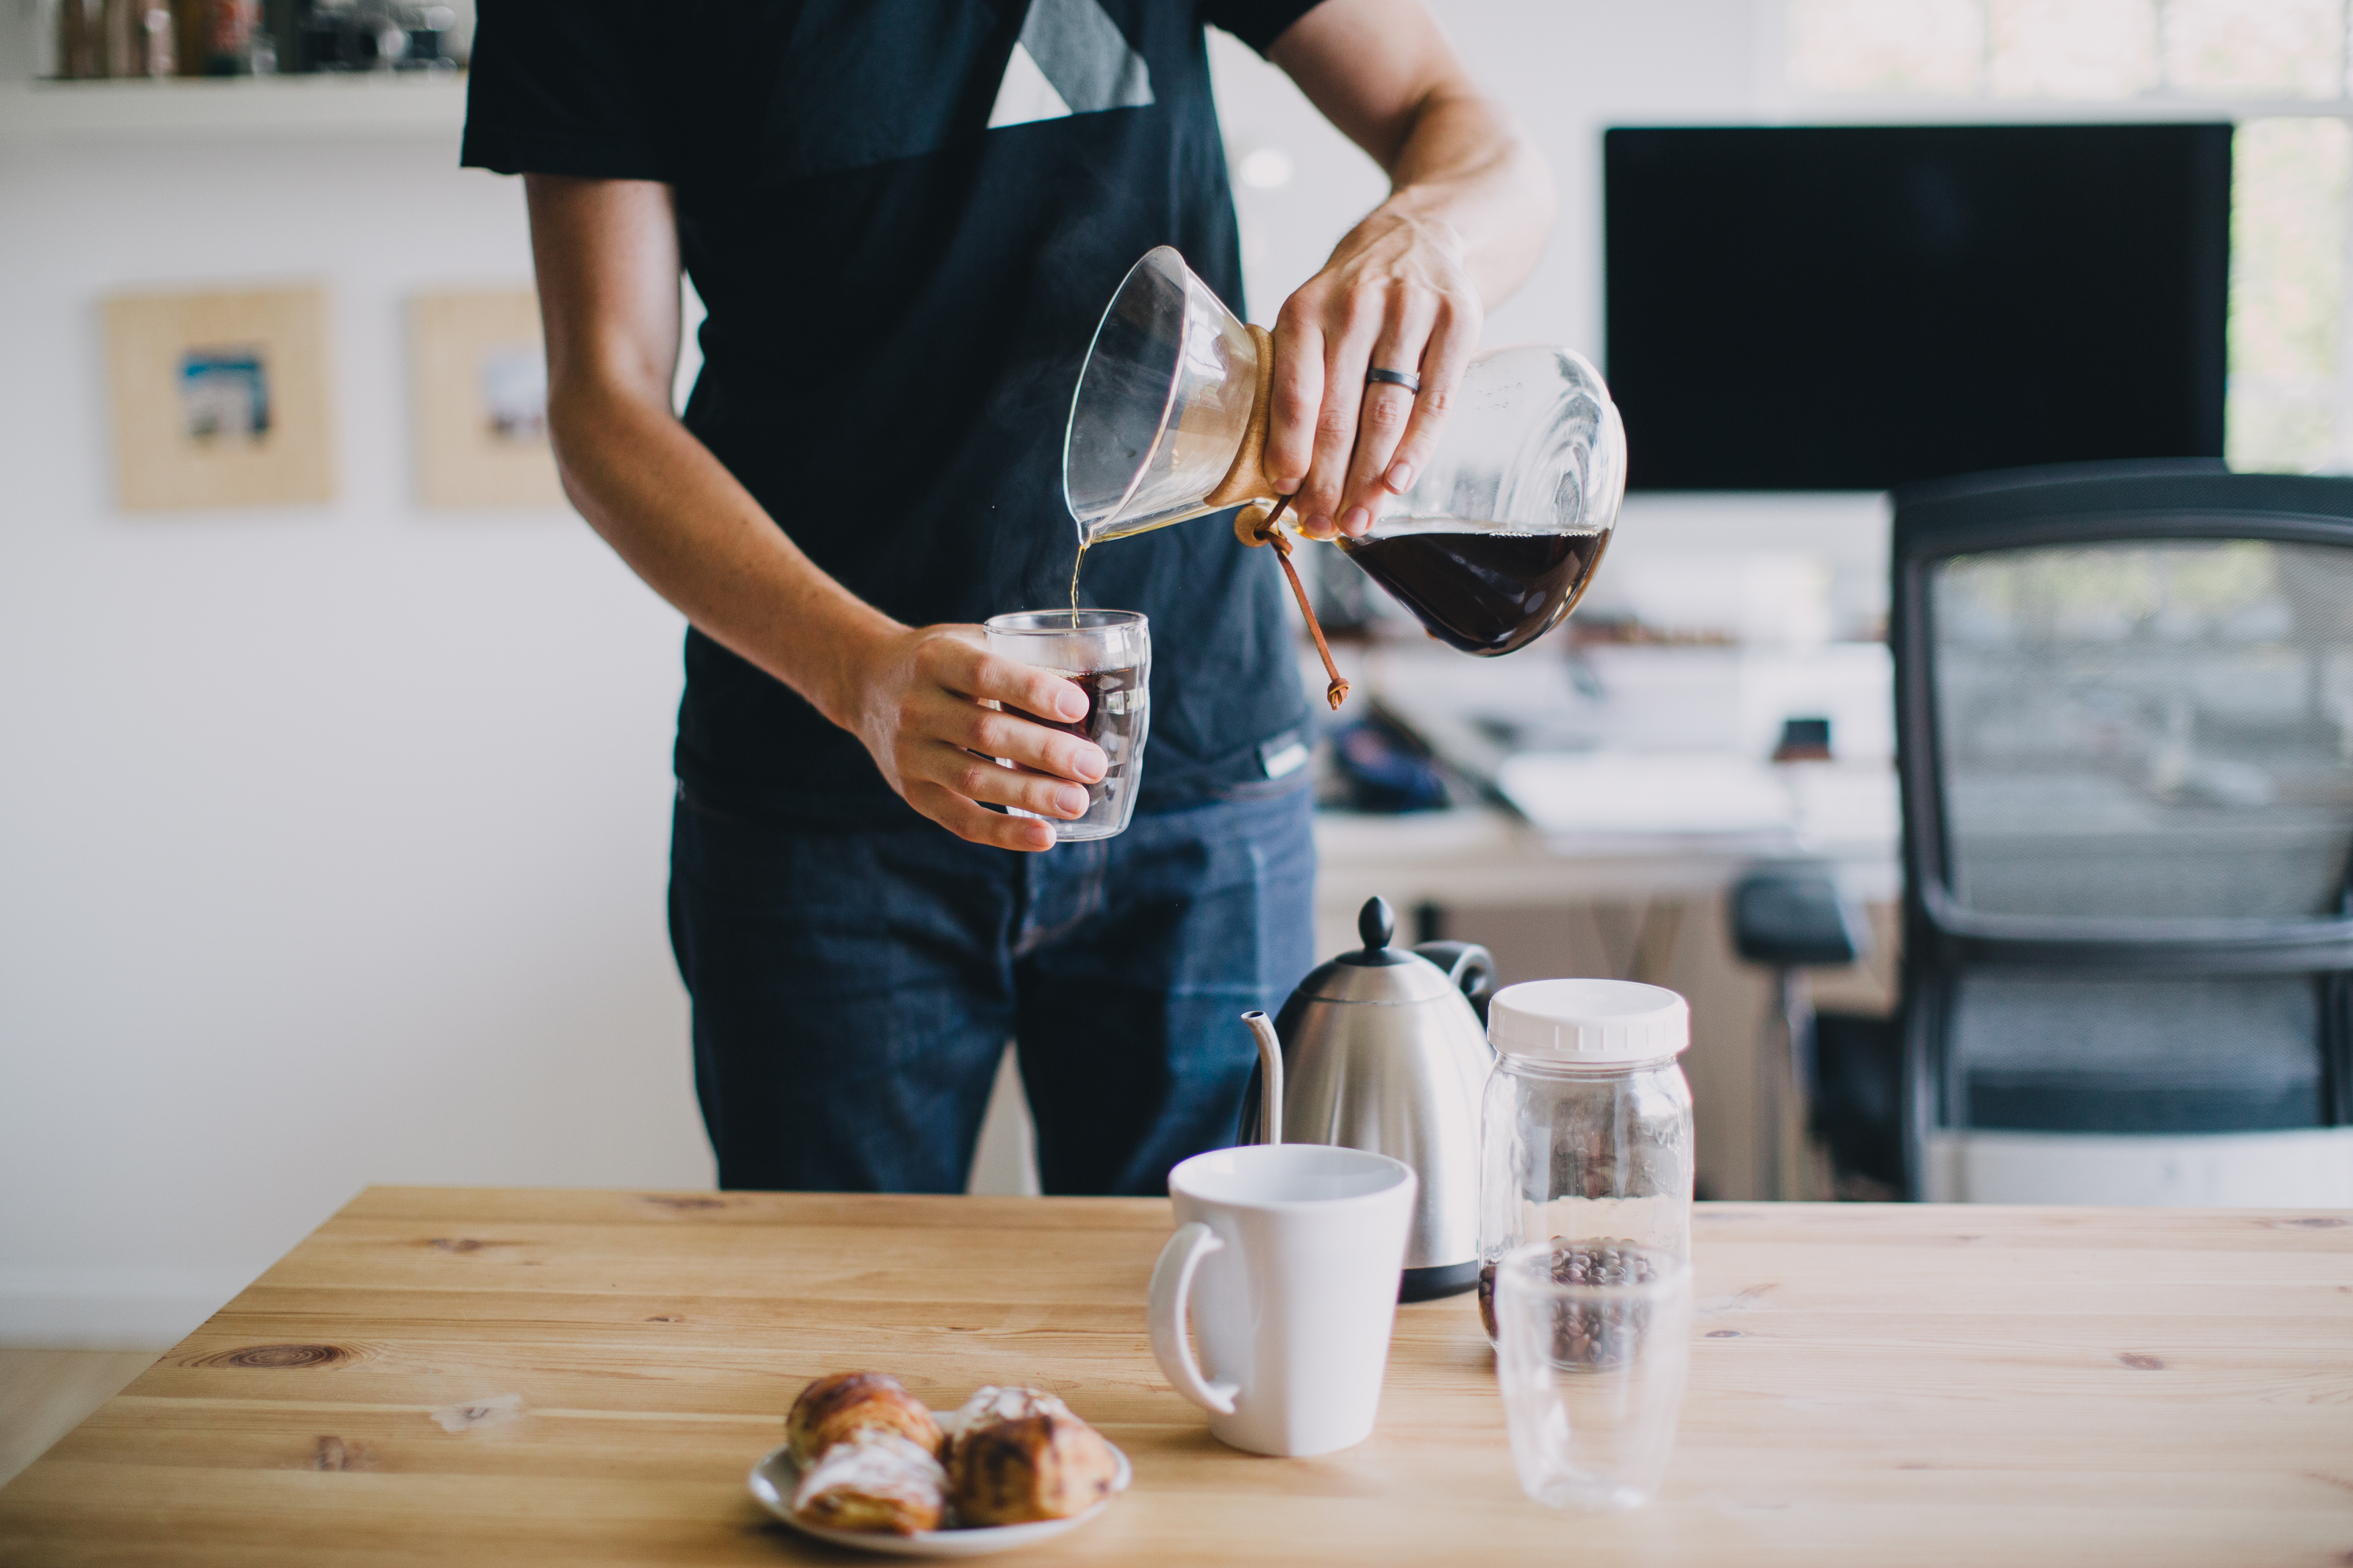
<point x="904" y="218"/>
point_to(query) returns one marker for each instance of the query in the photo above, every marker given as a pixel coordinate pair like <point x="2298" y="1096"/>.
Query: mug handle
<point x="1172" y="1285"/>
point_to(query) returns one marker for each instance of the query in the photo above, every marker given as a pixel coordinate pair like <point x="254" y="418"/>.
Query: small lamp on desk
<point x="1803" y="741"/>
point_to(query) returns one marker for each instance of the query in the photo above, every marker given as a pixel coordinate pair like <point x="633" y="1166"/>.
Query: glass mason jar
<point x="1586" y="1134"/>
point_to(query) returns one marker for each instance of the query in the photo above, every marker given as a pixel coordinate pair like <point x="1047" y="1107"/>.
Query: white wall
<point x="332" y="839"/>
<point x="1566" y="68"/>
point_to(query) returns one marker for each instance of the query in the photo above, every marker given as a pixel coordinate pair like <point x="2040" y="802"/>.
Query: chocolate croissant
<point x="1029" y="1467"/>
<point x="876" y="1482"/>
<point x="841" y="1405"/>
<point x="991" y="1404"/>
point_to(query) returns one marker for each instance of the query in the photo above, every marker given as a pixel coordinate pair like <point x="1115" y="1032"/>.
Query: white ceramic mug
<point x="1288" y="1255"/>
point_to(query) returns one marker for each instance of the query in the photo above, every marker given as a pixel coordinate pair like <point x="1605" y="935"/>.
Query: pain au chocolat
<point x="1017" y="1455"/>
<point x="991" y="1404"/>
<point x="842" y="1405"/>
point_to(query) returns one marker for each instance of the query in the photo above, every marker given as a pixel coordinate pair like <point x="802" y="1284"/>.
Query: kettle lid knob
<point x="1375" y="923"/>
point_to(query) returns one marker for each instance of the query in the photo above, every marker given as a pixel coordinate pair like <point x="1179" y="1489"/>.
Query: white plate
<point x="774" y="1477"/>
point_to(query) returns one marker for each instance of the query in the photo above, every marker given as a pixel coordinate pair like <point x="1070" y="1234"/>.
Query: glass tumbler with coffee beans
<point x="1107" y="654"/>
<point x="1593" y="1346"/>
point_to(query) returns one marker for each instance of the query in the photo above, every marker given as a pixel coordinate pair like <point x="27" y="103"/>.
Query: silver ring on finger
<point x="1376" y="376"/>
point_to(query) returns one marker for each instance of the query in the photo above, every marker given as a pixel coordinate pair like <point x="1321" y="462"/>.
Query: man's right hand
<point x="920" y="699"/>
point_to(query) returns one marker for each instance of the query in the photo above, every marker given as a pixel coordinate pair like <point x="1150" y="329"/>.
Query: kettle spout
<point x="1269" y="1062"/>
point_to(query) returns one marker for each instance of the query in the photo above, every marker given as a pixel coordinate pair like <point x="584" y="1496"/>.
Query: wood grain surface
<point x="45" y="1394"/>
<point x="489" y="1376"/>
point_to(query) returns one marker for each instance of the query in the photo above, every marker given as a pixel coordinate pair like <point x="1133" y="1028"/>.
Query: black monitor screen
<point x="1851" y="308"/>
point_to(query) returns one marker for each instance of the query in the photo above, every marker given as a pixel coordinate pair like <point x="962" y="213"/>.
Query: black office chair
<point x="2125" y="720"/>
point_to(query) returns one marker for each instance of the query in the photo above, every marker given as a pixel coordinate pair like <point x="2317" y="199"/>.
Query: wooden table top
<point x="492" y="1376"/>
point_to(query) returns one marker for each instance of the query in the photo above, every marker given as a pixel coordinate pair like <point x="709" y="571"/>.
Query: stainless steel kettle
<point x="1383" y="1049"/>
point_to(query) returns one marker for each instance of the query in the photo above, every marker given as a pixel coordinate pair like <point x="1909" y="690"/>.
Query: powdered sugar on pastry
<point x="991" y="1404"/>
<point x="877" y="1465"/>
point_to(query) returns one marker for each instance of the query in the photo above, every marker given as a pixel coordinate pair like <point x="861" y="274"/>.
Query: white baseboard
<point x="2306" y="1168"/>
<point x="110" y="1308"/>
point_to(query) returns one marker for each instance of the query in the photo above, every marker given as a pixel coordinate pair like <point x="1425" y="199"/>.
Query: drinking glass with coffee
<point x="1107" y="654"/>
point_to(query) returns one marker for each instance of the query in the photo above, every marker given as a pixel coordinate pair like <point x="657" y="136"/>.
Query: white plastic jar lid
<point x="1596" y="1021"/>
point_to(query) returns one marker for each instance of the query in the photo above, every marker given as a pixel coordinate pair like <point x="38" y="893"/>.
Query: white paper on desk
<point x="1839" y="804"/>
<point x="1691" y="794"/>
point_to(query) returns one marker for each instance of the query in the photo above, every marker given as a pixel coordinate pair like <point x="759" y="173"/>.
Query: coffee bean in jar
<point x="1590" y="1333"/>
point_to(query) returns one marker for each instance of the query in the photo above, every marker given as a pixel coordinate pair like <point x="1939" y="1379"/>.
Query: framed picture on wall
<point x="220" y="398"/>
<point x="481" y="391"/>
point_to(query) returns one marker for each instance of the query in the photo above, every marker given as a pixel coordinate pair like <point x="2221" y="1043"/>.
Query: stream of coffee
<point x="1081" y="561"/>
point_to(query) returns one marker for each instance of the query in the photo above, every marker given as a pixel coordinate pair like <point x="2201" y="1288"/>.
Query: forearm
<point x="927" y="702"/>
<point x="687" y="526"/>
<point x="1465" y="169"/>
<point x="606" y="252"/>
<point x="930" y="704"/>
<point x="1407" y="289"/>
<point x="1460" y="171"/>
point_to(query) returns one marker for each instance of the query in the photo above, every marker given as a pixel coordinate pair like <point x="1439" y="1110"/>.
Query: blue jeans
<point x="854" y="988"/>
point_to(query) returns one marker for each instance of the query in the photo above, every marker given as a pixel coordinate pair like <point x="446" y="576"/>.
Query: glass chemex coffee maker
<point x="1490" y="548"/>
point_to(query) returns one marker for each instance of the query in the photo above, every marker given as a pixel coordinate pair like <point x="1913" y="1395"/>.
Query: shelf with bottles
<point x="331" y="105"/>
<point x="211" y="68"/>
<point x="160" y="40"/>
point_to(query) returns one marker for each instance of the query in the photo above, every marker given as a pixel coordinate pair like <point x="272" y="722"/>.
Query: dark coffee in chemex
<point x="1482" y="591"/>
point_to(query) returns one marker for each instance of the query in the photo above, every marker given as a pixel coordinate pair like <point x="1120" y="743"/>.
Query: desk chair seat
<point x="2059" y="1053"/>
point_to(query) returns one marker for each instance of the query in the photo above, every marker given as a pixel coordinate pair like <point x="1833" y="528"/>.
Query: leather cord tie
<point x="1254" y="526"/>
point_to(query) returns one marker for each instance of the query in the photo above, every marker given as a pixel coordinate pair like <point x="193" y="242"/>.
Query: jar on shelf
<point x="1586" y="1134"/>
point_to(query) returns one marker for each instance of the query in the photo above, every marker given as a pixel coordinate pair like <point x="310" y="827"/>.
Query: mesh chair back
<point x="2140" y="730"/>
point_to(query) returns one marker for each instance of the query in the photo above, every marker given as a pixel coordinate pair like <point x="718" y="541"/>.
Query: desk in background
<point x="1644" y="905"/>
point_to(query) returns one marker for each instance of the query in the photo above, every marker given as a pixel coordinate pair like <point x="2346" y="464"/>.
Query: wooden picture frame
<point x="220" y="398"/>
<point x="480" y="391"/>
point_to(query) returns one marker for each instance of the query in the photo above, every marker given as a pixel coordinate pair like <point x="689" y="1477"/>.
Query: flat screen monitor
<point x="1854" y="307"/>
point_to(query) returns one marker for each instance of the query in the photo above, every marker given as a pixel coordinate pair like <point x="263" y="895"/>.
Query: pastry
<point x="876" y="1482"/>
<point x="843" y="1403"/>
<point x="993" y="1403"/>
<point x="1024" y="1468"/>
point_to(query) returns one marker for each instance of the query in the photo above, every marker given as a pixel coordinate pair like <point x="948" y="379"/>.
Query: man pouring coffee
<point x="904" y="216"/>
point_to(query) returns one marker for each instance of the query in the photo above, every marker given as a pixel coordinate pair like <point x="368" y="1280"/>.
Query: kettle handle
<point x="1467" y="964"/>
